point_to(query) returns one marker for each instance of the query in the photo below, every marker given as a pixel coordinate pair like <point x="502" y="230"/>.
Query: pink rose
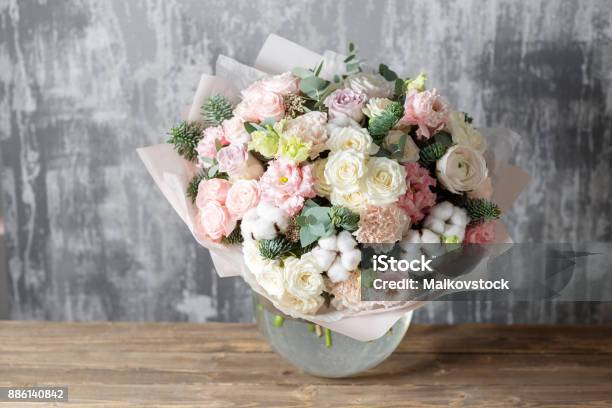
<point x="283" y="84"/>
<point x="207" y="146"/>
<point x="483" y="233"/>
<point x="232" y="159"/>
<point x="346" y="102"/>
<point x="285" y="185"/>
<point x="234" y="131"/>
<point x="243" y="196"/>
<point x="259" y="104"/>
<point x="212" y="190"/>
<point x="428" y="110"/>
<point x="310" y="127"/>
<point x="215" y="220"/>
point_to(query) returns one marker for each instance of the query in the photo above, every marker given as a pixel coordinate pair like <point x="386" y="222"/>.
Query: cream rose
<point x="305" y="306"/>
<point x="376" y="106"/>
<point x="385" y="181"/>
<point x="303" y="277"/>
<point x="271" y="279"/>
<point x="241" y="197"/>
<point x="373" y="85"/>
<point x="344" y="169"/>
<point x="310" y="127"/>
<point x="463" y="133"/>
<point x="351" y="138"/>
<point x="355" y="200"/>
<point x="461" y="169"/>
<point x="411" y="151"/>
<point x="321" y="185"/>
<point x="253" y="259"/>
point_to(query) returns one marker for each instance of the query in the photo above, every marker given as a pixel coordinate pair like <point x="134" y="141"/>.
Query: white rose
<point x="354" y="200"/>
<point x="463" y="133"/>
<point x="253" y="259"/>
<point x="310" y="127"/>
<point x="350" y="138"/>
<point x="411" y="151"/>
<point x="373" y="85"/>
<point x="385" y="181"/>
<point x="307" y="306"/>
<point x="303" y="277"/>
<point x="344" y="169"/>
<point x="461" y="169"/>
<point x="272" y="280"/>
<point x="322" y="187"/>
<point x="376" y="106"/>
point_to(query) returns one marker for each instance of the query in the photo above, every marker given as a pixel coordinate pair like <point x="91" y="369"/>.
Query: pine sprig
<point x="216" y="109"/>
<point x="234" y="238"/>
<point x="194" y="184"/>
<point x="429" y="155"/>
<point x="380" y="124"/>
<point x="275" y="248"/>
<point x="480" y="210"/>
<point x="343" y="218"/>
<point x="185" y="137"/>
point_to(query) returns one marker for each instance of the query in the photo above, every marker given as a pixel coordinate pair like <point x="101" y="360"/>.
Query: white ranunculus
<point x="463" y="133"/>
<point x="354" y="200"/>
<point x="344" y="169"/>
<point x="411" y="151"/>
<point x="385" y="181"/>
<point x="272" y="279"/>
<point x="350" y="138"/>
<point x="321" y="185"/>
<point x="303" y="277"/>
<point x="373" y="85"/>
<point x="462" y="168"/>
<point x="376" y="106"/>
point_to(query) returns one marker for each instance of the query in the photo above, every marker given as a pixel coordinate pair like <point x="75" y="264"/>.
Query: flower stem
<point x="311" y="327"/>
<point x="328" y="342"/>
<point x="278" y="321"/>
<point x="318" y="330"/>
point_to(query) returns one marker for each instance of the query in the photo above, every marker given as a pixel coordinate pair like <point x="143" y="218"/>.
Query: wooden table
<point x="228" y="365"/>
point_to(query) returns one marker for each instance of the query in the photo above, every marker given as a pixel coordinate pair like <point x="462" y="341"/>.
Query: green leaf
<point x="185" y="137"/>
<point x="216" y="109"/>
<point x="249" y="127"/>
<point x="317" y="70"/>
<point x="399" y="87"/>
<point x="351" y="47"/>
<point x="302" y="72"/>
<point x="387" y="73"/>
<point x="349" y="58"/>
<point x="430" y="154"/>
<point x="212" y="171"/>
<point x="444" y="138"/>
<point x="312" y="84"/>
<point x="307" y="237"/>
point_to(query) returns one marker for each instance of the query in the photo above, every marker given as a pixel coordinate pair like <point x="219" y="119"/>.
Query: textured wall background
<point x="84" y="83"/>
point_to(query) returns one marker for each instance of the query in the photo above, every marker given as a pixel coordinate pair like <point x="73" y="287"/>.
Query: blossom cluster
<point x="303" y="173"/>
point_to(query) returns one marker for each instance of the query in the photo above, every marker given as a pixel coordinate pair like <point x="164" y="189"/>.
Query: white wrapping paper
<point x="172" y="174"/>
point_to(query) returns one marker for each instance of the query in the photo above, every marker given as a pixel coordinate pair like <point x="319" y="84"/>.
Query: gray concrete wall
<point x="84" y="83"/>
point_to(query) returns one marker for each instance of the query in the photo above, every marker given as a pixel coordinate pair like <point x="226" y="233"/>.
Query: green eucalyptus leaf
<point x="387" y="73"/>
<point x="302" y="72"/>
<point x="249" y="127"/>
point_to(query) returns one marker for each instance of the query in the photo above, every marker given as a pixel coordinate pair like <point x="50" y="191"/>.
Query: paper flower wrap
<point x="306" y="167"/>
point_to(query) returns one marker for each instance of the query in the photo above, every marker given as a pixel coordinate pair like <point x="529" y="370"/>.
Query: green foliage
<point x="387" y="73"/>
<point x="192" y="188"/>
<point x="234" y="238"/>
<point x="216" y="109"/>
<point x="275" y="248"/>
<point x="343" y="218"/>
<point x="185" y="137"/>
<point x="443" y="138"/>
<point x="314" y="222"/>
<point x="429" y="155"/>
<point x="480" y="210"/>
<point x="380" y="125"/>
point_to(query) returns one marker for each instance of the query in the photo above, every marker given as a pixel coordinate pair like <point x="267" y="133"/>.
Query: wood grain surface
<point x="230" y="365"/>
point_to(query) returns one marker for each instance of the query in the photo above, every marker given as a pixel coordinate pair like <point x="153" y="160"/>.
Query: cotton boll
<point x="455" y="230"/>
<point x="350" y="259"/>
<point x="324" y="258"/>
<point x="459" y="217"/>
<point x="337" y="272"/>
<point x="329" y="243"/>
<point x="274" y="215"/>
<point x="429" y="237"/>
<point x="442" y="211"/>
<point x="346" y="242"/>
<point x="264" y="230"/>
<point x="411" y="237"/>
<point x="435" y="224"/>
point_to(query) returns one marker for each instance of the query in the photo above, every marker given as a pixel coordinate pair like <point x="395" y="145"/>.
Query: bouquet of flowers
<point x="299" y="171"/>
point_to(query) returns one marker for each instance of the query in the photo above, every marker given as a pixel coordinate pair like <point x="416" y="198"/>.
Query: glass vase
<point x="319" y="351"/>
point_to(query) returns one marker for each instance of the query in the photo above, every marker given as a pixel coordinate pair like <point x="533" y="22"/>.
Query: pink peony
<point x="381" y="225"/>
<point x="286" y="184"/>
<point x="428" y="110"/>
<point x="232" y="159"/>
<point x="310" y="127"/>
<point x="283" y="84"/>
<point x="215" y="221"/>
<point x="243" y="196"/>
<point x="234" y="131"/>
<point x="346" y="102"/>
<point x="419" y="198"/>
<point x="483" y="233"/>
<point x="207" y="146"/>
<point x="259" y="104"/>
<point x="212" y="190"/>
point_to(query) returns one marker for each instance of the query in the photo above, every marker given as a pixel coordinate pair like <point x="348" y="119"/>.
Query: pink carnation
<point x="212" y="190"/>
<point x="483" y="233"/>
<point x="419" y="198"/>
<point x="207" y="146"/>
<point x="428" y="110"/>
<point x="381" y="225"/>
<point x="286" y="184"/>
